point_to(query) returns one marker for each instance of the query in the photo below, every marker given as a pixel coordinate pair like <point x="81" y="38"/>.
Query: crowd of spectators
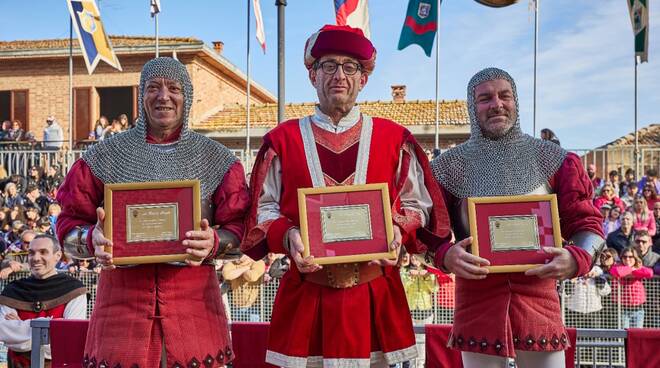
<point x="105" y="129"/>
<point x="12" y="134"/>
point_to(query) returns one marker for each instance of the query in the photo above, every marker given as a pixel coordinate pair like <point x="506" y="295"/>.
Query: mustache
<point x="498" y="112"/>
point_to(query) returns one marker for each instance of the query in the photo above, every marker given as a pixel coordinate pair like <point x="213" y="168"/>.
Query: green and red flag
<point x="420" y="25"/>
<point x="639" y="16"/>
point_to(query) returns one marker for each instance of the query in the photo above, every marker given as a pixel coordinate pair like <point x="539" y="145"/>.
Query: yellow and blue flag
<point x="93" y="41"/>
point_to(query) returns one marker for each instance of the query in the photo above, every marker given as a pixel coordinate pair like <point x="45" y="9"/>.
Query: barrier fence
<point x="605" y="305"/>
<point x="17" y="158"/>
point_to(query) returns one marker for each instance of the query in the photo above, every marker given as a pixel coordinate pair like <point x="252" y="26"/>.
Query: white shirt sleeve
<point x="17" y="335"/>
<point x="414" y="195"/>
<point x="268" y="207"/>
<point x="76" y="308"/>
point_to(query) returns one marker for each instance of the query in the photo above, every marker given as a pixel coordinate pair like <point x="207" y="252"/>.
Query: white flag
<point x="155" y="7"/>
<point x="261" y="35"/>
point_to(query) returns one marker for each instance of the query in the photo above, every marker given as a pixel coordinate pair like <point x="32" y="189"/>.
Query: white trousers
<point x="524" y="359"/>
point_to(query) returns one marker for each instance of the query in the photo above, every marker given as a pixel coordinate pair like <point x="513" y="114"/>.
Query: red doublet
<point x="312" y="323"/>
<point x="511" y="311"/>
<point x="138" y="308"/>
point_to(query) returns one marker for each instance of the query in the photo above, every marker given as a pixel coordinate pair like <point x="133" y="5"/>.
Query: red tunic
<point x="137" y="308"/>
<point x="357" y="325"/>
<point x="511" y="311"/>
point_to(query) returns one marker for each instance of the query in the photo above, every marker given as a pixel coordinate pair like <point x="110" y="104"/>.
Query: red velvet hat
<point x="342" y="40"/>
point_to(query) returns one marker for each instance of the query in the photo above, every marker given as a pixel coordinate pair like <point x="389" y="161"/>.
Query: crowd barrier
<point x="604" y="302"/>
<point x="17" y="158"/>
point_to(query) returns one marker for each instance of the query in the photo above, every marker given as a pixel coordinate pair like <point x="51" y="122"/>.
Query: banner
<point x="354" y="13"/>
<point x="420" y="25"/>
<point x="260" y="33"/>
<point x="639" y="16"/>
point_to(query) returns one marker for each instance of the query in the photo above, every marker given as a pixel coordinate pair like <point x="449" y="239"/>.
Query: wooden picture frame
<point x="353" y="244"/>
<point x="180" y="200"/>
<point x="521" y="209"/>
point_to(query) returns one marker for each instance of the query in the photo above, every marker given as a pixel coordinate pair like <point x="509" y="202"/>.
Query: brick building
<point x="34" y="81"/>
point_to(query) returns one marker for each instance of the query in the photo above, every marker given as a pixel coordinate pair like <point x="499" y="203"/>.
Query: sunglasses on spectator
<point x="605" y="256"/>
<point x="624" y="257"/>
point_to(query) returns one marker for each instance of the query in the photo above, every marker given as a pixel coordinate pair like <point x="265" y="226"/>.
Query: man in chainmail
<point x="511" y="314"/>
<point x="168" y="314"/>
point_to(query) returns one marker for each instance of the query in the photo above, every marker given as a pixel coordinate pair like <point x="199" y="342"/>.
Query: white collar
<point x="324" y="122"/>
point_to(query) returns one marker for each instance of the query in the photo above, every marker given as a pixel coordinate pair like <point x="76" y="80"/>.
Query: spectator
<point x="549" y="135"/>
<point x="584" y="298"/>
<point x="12" y="198"/>
<point x="53" y="134"/>
<point x="607" y="259"/>
<point x="643" y="245"/>
<point x="36" y="178"/>
<point x="628" y="275"/>
<point x="614" y="181"/>
<point x="595" y="180"/>
<point x="53" y="177"/>
<point x="608" y="196"/>
<point x="419" y="285"/>
<point x="629" y="179"/>
<point x="34" y="199"/>
<point x="4" y="132"/>
<point x="17" y="259"/>
<point x="245" y="276"/>
<point x="53" y="211"/>
<point x="631" y="193"/>
<point x="612" y="222"/>
<point x="100" y="128"/>
<point x="652" y="178"/>
<point x="45" y="227"/>
<point x="623" y="237"/>
<point x="115" y="128"/>
<point x="123" y="120"/>
<point x="656" y="237"/>
<point x="651" y="195"/>
<point x="644" y="218"/>
<point x="16" y="134"/>
<point x="45" y="293"/>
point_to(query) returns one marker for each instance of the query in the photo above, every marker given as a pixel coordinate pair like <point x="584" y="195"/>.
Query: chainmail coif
<point x="128" y="158"/>
<point x="514" y="164"/>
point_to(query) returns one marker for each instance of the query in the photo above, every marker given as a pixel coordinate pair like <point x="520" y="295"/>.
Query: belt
<point x="345" y="275"/>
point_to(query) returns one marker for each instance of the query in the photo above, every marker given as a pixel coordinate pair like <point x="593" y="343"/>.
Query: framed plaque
<point x="147" y="222"/>
<point x="350" y="223"/>
<point x="510" y="231"/>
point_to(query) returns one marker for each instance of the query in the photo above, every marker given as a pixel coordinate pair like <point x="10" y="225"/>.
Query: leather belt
<point x="345" y="275"/>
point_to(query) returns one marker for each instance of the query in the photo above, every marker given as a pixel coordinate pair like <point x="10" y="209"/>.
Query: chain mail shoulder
<point x="517" y="168"/>
<point x="126" y="158"/>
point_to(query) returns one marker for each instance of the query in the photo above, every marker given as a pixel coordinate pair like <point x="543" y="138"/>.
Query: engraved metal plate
<point x="345" y="223"/>
<point x="152" y="222"/>
<point x="513" y="233"/>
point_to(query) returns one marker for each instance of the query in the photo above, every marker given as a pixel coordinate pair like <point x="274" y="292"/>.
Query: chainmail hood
<point x="128" y="158"/>
<point x="514" y="164"/>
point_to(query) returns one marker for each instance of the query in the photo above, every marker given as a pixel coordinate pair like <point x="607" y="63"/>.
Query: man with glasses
<point x="351" y="314"/>
<point x="622" y="237"/>
<point x="643" y="245"/>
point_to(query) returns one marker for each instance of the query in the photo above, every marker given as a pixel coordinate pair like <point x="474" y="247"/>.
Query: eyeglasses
<point x="626" y="257"/>
<point x="330" y="67"/>
<point x="605" y="256"/>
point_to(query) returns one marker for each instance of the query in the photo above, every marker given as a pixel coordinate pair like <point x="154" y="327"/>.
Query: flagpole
<point x="437" y="80"/>
<point x="636" y="155"/>
<point x="70" y="83"/>
<point x="157" y="45"/>
<point x="536" y="41"/>
<point x="280" y="59"/>
<point x="248" y="154"/>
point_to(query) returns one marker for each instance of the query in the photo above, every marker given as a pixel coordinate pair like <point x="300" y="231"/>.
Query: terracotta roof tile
<point x="406" y="113"/>
<point x="648" y="136"/>
<point x="117" y="41"/>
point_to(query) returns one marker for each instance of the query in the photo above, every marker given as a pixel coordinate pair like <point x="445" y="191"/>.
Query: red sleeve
<point x="620" y="271"/>
<point x="442" y="247"/>
<point x="583" y="259"/>
<point x="79" y="195"/>
<point x="232" y="200"/>
<point x="574" y="192"/>
<point x="643" y="273"/>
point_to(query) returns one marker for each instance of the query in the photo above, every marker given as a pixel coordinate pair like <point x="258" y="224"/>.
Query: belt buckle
<point x="343" y="276"/>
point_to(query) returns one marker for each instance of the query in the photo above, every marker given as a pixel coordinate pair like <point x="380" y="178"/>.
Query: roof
<point x="414" y="112"/>
<point x="648" y="136"/>
<point x="116" y="41"/>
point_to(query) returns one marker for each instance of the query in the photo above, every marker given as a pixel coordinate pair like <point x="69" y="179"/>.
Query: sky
<point x="585" y="65"/>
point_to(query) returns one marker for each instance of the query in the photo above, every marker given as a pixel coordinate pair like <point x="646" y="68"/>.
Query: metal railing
<point x="600" y="340"/>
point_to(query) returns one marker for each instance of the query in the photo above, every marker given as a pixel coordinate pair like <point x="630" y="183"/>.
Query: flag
<point x="93" y="41"/>
<point x="420" y="25"/>
<point x="155" y="7"/>
<point x="354" y="13"/>
<point x="261" y="35"/>
<point x="639" y="16"/>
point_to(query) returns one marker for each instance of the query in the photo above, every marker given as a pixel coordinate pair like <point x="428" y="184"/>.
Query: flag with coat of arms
<point x="92" y="38"/>
<point x="420" y="25"/>
<point x="639" y="16"/>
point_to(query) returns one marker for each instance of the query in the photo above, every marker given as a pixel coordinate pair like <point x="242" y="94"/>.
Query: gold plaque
<point x="518" y="232"/>
<point x="345" y="223"/>
<point x="157" y="222"/>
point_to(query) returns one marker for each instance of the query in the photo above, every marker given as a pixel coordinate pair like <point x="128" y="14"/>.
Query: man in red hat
<point x="352" y="314"/>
